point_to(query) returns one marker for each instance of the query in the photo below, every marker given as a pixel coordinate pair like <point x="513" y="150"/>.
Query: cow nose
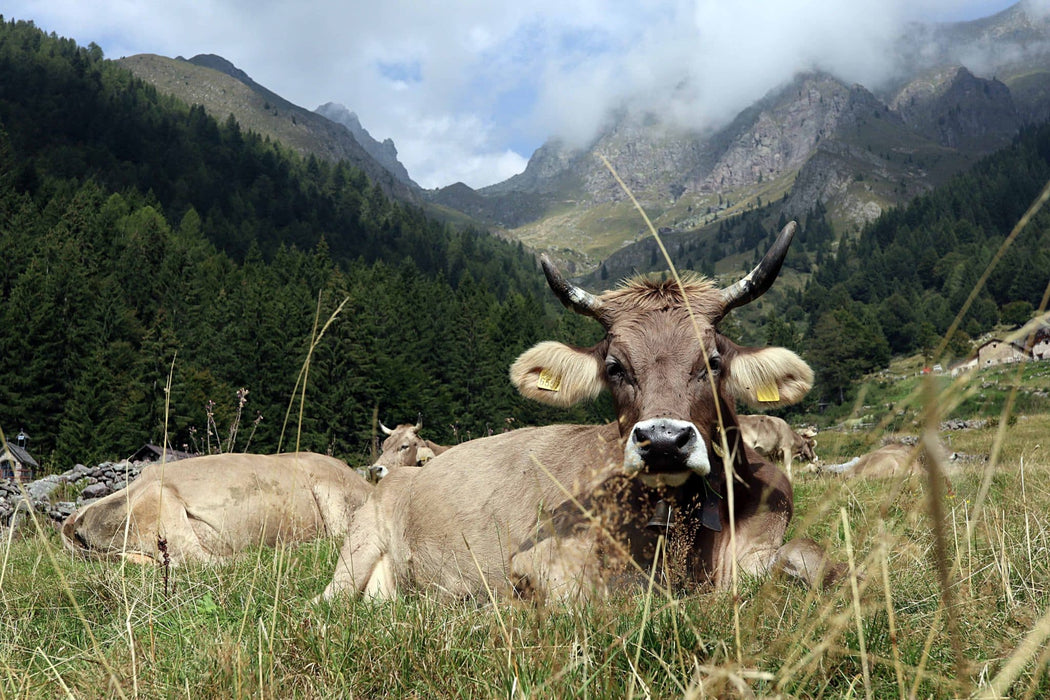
<point x="664" y="444"/>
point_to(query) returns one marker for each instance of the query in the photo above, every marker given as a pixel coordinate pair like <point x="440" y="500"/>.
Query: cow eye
<point x="714" y="362"/>
<point x="615" y="370"/>
<point x="403" y="448"/>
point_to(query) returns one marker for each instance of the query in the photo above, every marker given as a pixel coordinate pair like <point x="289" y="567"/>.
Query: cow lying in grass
<point x="211" y="508"/>
<point x="573" y="510"/>
<point x="894" y="459"/>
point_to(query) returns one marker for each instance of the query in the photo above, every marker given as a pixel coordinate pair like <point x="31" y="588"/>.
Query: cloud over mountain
<point x="468" y="90"/>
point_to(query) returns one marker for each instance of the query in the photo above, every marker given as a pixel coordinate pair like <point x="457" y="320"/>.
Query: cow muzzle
<point x="666" y="446"/>
<point x="378" y="471"/>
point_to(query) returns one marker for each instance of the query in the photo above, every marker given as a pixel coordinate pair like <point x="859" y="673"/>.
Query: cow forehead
<point x="660" y="344"/>
<point x="639" y="297"/>
<point x="662" y="320"/>
<point x="402" y="432"/>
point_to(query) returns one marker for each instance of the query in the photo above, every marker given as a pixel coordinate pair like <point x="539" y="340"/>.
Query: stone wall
<point x="56" y="496"/>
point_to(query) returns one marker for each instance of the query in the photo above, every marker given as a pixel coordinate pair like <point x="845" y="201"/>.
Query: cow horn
<point x="756" y="282"/>
<point x="386" y="430"/>
<point x="419" y="422"/>
<point x="579" y="300"/>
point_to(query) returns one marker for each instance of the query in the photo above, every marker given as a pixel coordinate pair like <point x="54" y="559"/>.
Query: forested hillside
<point x="140" y="237"/>
<point x="897" y="288"/>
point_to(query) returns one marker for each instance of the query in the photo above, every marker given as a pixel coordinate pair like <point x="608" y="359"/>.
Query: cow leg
<point x="558" y="569"/>
<point x="758" y="542"/>
<point x="801" y="558"/>
<point x="355" y="571"/>
<point x="754" y="559"/>
<point x="381" y="583"/>
<point x="364" y="566"/>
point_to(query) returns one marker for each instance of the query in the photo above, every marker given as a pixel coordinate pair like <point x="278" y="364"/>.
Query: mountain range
<point x="962" y="91"/>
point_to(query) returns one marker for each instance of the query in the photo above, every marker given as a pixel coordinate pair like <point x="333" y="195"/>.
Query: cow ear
<point x="767" y="377"/>
<point x="557" y="374"/>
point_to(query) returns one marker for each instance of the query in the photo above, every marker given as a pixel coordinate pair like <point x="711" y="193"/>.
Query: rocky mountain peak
<point x="954" y="108"/>
<point x="210" y="60"/>
<point x="385" y="152"/>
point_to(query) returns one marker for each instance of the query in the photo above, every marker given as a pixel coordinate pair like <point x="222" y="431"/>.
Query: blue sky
<point x="468" y="90"/>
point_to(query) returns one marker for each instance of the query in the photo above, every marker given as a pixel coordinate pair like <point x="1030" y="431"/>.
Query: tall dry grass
<point x="85" y="629"/>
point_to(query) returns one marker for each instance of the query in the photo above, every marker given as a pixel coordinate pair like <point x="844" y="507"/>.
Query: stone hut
<point x="996" y="352"/>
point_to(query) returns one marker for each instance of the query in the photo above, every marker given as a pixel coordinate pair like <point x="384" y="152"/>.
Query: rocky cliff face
<point x="385" y="153"/>
<point x="820" y="134"/>
<point x="954" y="108"/>
<point x="785" y="130"/>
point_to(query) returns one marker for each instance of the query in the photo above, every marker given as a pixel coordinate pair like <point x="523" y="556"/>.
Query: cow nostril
<point x="641" y="436"/>
<point x="683" y="438"/>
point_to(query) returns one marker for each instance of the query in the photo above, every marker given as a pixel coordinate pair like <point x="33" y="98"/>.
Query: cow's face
<point x="402" y="448"/>
<point x="671" y="374"/>
<point x="807" y="448"/>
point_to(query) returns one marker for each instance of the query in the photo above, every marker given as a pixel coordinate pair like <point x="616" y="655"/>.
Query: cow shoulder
<point x="767" y="377"/>
<point x="557" y="374"/>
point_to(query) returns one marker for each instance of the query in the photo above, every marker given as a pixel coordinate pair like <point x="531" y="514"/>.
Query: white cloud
<point x="467" y="89"/>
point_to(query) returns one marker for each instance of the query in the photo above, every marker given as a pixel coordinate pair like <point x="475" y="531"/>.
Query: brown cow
<point x="403" y="447"/>
<point x="571" y="510"/>
<point x="211" y="508"/>
<point x="772" y="437"/>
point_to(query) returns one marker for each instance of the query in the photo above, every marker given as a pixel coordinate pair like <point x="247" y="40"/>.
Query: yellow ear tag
<point x="548" y="380"/>
<point x="717" y="446"/>
<point x="769" y="393"/>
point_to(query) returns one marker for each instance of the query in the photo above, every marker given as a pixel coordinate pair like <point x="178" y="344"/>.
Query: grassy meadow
<point x="946" y="611"/>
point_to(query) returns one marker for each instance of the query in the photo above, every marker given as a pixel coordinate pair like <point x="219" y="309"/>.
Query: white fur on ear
<point x="769" y="377"/>
<point x="556" y="374"/>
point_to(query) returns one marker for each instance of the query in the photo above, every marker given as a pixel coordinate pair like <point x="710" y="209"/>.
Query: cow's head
<point x="402" y="448"/>
<point x="671" y="374"/>
<point x="807" y="449"/>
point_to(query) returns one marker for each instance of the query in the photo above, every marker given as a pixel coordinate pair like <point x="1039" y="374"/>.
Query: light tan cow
<point x="772" y="437"/>
<point x="211" y="508"/>
<point x="403" y="447"/>
<point x="577" y="510"/>
<point x="895" y="459"/>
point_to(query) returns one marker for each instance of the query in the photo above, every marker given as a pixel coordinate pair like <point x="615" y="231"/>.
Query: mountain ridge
<point x="224" y="90"/>
<point x="815" y="138"/>
<point x="859" y="150"/>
